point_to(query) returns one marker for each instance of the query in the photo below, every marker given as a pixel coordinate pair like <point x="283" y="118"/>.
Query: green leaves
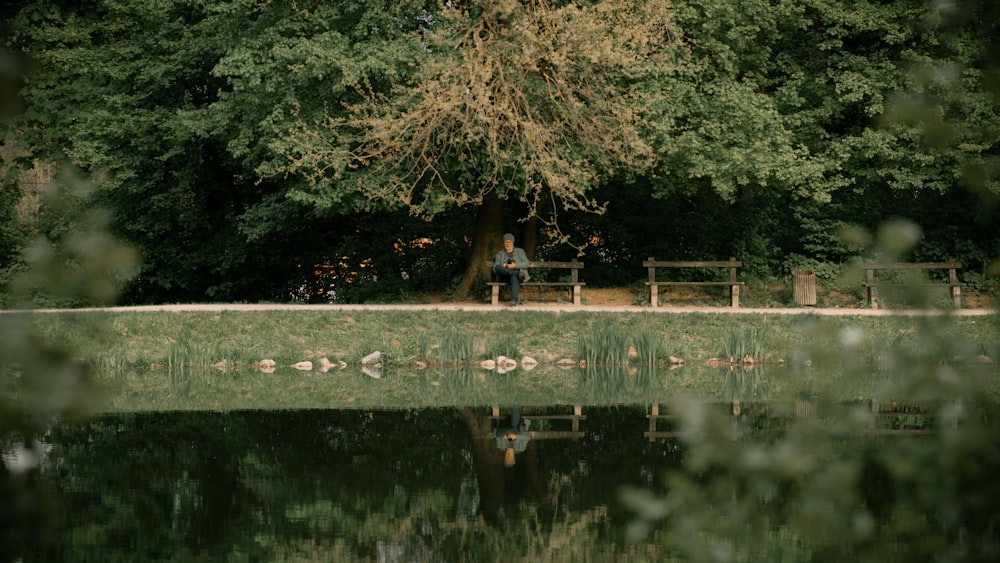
<point x="520" y="101"/>
<point x="228" y="128"/>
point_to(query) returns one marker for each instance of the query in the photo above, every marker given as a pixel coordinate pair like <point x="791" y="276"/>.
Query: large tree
<point x="121" y="90"/>
<point x="516" y="101"/>
<point x="244" y="142"/>
<point x="173" y="103"/>
<point x="802" y="120"/>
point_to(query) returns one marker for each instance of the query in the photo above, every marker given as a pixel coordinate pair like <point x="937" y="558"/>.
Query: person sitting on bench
<point x="511" y="265"/>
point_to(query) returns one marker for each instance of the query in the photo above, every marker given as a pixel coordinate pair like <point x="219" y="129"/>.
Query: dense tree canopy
<point x="516" y="99"/>
<point x="264" y="150"/>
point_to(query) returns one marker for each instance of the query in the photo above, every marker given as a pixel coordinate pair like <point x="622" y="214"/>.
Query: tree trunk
<point x="486" y="235"/>
<point x="529" y="228"/>
<point x="489" y="473"/>
<point x="530" y="237"/>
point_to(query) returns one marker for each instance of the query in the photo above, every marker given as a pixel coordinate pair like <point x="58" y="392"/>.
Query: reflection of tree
<point x="137" y="487"/>
<point x="338" y="485"/>
<point x="500" y="486"/>
<point x="190" y="477"/>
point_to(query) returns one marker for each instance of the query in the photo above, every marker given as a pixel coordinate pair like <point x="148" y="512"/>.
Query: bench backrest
<point x="951" y="266"/>
<point x="692" y="264"/>
<point x="913" y="266"/>
<point x="544" y="264"/>
<point x="574" y="267"/>
<point x="574" y="264"/>
<point x="652" y="264"/>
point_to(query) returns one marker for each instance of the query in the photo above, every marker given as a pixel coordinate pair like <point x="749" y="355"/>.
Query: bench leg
<point x="654" y="413"/>
<point x="956" y="296"/>
<point x="873" y="296"/>
<point x="495" y="295"/>
<point x="577" y="295"/>
<point x="654" y="295"/>
<point x="735" y="296"/>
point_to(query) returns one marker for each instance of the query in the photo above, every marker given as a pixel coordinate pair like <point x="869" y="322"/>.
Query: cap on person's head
<point x="509" y="237"/>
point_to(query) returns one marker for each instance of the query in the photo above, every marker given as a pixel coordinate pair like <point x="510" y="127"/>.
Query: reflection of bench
<point x="654" y="416"/>
<point x="896" y="418"/>
<point x="654" y="285"/>
<point x="574" y="419"/>
<point x="872" y="283"/>
<point x="891" y="418"/>
<point x="539" y="279"/>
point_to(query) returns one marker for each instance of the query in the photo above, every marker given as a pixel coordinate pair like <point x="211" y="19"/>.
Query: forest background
<point x="268" y="150"/>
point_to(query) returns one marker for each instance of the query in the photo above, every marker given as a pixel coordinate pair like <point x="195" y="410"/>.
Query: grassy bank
<point x="213" y="360"/>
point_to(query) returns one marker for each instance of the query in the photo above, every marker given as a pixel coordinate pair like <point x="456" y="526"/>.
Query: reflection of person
<point x="511" y="265"/>
<point x="513" y="439"/>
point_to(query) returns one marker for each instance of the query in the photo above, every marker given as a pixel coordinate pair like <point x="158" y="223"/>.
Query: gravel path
<point x="552" y="307"/>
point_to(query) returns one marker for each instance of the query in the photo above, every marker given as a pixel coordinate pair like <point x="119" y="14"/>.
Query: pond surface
<point x="443" y="484"/>
<point x="336" y="484"/>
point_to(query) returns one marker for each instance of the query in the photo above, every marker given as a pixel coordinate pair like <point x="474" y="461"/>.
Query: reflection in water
<point x="746" y="383"/>
<point x="431" y="484"/>
<point x="604" y="381"/>
<point x="388" y="387"/>
<point x="499" y="485"/>
<point x="512" y="437"/>
<point x="358" y="485"/>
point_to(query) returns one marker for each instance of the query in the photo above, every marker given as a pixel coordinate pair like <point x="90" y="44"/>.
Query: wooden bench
<point x="654" y="285"/>
<point x="872" y="284"/>
<point x="573" y="283"/>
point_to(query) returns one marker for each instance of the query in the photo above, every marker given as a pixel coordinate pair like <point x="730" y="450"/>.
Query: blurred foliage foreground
<point x="814" y="487"/>
<point x="822" y="487"/>
<point x="43" y="382"/>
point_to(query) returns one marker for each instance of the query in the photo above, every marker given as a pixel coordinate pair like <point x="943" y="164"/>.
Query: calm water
<point x="325" y="485"/>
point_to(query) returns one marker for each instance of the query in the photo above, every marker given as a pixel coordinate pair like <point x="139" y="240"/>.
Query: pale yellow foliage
<point x="531" y="101"/>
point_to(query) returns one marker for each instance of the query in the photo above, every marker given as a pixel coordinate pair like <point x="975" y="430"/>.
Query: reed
<point x="649" y="348"/>
<point x="503" y="345"/>
<point x="110" y="363"/>
<point x="182" y="355"/>
<point x="424" y="347"/>
<point x="132" y="356"/>
<point x="885" y="355"/>
<point x="457" y="347"/>
<point x="606" y="345"/>
<point x="749" y="343"/>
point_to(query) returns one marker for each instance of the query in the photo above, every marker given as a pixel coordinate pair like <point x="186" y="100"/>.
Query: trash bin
<point x="804" y="287"/>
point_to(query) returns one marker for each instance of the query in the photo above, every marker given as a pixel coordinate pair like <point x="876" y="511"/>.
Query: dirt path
<point x="596" y="300"/>
<point x="554" y="307"/>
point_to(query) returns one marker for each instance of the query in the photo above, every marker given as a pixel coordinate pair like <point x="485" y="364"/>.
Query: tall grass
<point x="133" y="358"/>
<point x="185" y="356"/>
<point x="457" y="347"/>
<point x="503" y="345"/>
<point x="606" y="345"/>
<point x="649" y="347"/>
<point x="748" y="343"/>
